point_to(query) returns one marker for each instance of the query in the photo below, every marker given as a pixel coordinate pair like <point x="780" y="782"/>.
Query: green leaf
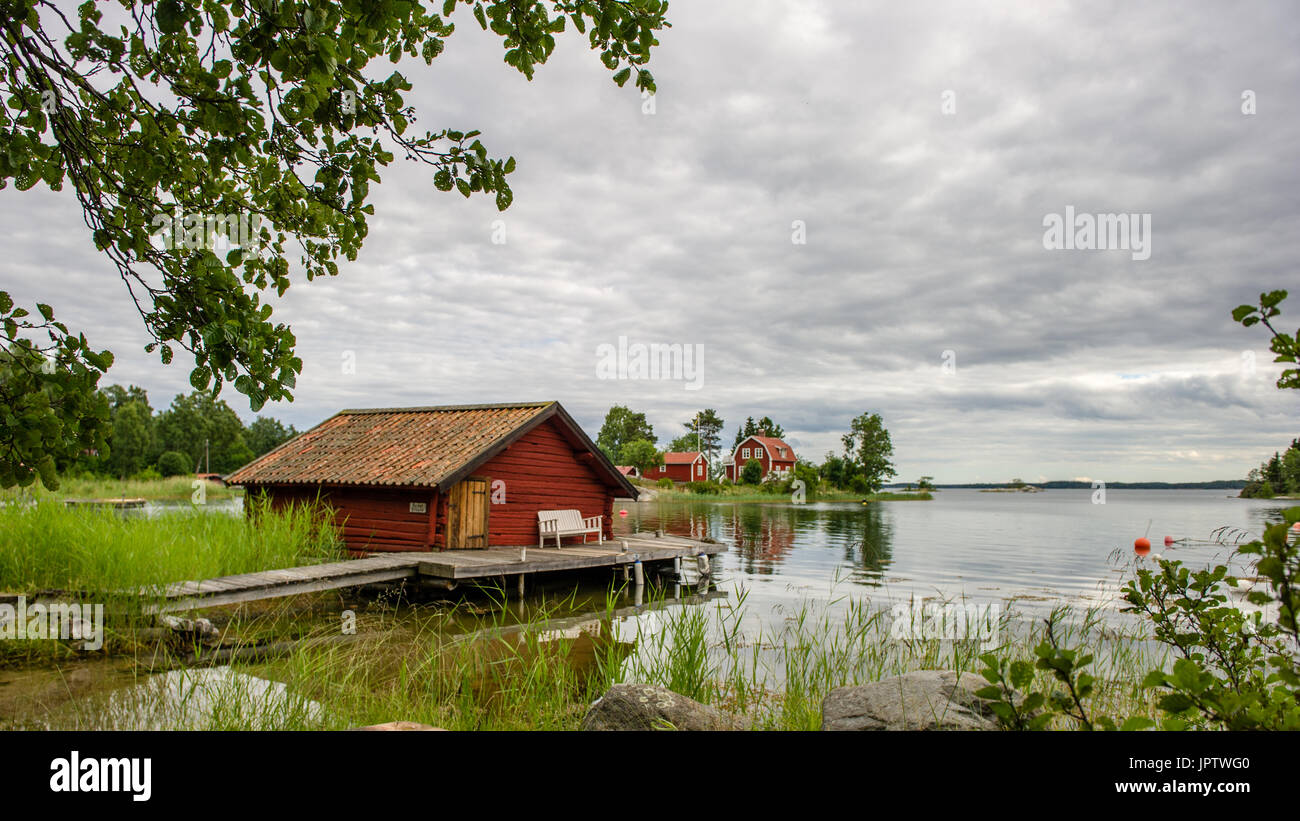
<point x="200" y="377"/>
<point x="1175" y="703"/>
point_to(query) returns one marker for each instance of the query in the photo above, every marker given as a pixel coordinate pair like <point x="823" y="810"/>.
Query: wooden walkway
<point x="447" y="568"/>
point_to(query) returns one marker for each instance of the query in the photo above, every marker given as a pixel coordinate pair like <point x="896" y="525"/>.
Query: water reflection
<point x="1038" y="550"/>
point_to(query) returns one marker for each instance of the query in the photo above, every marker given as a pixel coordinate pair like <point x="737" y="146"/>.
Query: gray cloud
<point x="924" y="234"/>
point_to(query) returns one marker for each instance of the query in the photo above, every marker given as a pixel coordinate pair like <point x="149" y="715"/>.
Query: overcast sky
<point x="920" y="146"/>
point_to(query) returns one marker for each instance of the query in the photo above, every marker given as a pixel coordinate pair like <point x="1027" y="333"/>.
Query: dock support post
<point x="639" y="572"/>
<point x="677" y="566"/>
<point x="521" y="585"/>
<point x="626" y="573"/>
<point x="702" y="563"/>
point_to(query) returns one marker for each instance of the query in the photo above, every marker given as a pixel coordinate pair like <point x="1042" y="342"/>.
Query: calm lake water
<point x="1033" y="550"/>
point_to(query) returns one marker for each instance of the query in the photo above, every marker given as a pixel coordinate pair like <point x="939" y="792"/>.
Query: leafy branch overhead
<point x="1286" y="346"/>
<point x="203" y="138"/>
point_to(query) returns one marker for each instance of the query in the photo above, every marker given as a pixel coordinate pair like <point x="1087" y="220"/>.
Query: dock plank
<point x="450" y="566"/>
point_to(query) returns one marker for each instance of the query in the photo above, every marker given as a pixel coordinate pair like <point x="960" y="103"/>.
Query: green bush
<point x="665" y="482"/>
<point x="1233" y="670"/>
<point x="751" y="473"/>
<point x="704" y="487"/>
<point x="174" y="463"/>
<point x="147" y="475"/>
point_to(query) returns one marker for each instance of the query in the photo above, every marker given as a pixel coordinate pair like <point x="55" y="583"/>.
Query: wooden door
<point x="467" y="515"/>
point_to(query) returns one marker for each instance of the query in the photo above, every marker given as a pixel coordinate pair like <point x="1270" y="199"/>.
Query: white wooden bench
<point x="559" y="523"/>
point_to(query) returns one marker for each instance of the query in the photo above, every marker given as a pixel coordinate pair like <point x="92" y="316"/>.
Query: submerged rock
<point x="646" y="707"/>
<point x="199" y="629"/>
<point x="922" y="700"/>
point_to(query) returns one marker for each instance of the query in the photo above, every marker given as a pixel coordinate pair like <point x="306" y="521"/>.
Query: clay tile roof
<point x="772" y="444"/>
<point x="411" y="447"/>
<point x="680" y="457"/>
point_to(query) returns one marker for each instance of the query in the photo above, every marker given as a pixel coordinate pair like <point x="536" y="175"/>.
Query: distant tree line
<point x="1279" y="475"/>
<point x="196" y="434"/>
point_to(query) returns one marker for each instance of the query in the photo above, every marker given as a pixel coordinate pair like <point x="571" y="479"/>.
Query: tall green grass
<point x="527" y="675"/>
<point x="47" y="546"/>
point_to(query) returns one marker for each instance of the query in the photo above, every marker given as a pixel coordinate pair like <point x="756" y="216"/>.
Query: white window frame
<point x="744" y="453"/>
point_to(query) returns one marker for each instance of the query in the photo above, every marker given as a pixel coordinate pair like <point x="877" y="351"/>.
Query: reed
<point x="533" y="669"/>
<point x="47" y="546"/>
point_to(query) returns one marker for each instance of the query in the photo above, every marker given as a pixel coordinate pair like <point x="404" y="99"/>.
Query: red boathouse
<point x="442" y="478"/>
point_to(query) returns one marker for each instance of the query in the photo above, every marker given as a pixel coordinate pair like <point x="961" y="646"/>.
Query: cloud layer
<point x="919" y="146"/>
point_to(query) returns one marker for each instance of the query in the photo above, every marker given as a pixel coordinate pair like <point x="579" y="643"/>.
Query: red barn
<point x="441" y="478"/>
<point x="772" y="454"/>
<point x="682" y="466"/>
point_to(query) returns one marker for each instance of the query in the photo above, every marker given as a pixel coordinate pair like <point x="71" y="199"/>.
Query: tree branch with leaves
<point x="203" y="138"/>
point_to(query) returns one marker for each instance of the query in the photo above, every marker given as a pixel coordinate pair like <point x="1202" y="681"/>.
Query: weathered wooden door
<point x="467" y="515"/>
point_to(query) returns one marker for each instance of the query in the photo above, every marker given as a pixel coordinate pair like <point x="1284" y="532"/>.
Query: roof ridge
<point x="430" y="408"/>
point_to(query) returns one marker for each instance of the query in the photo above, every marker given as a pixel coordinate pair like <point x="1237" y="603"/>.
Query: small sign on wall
<point x="419" y="507"/>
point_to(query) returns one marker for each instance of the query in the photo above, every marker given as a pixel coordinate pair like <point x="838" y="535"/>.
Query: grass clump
<point x="47" y="546"/>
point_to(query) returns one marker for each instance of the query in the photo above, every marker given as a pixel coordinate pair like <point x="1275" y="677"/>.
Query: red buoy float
<point x="1142" y="545"/>
<point x="1169" y="541"/>
<point x="623" y="513"/>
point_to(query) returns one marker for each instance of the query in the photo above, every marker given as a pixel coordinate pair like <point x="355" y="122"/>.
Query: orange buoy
<point x="1142" y="546"/>
<point x="1169" y="541"/>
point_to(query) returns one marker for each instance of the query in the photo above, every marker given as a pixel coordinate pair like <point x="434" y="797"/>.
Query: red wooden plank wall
<point x="370" y="518"/>
<point x="540" y="471"/>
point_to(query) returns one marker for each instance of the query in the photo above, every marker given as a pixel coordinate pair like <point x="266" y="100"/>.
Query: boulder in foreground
<point x="922" y="700"/>
<point x="646" y="707"/>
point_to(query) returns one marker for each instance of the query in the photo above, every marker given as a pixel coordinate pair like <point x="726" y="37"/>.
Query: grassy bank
<point x="510" y="676"/>
<point x="173" y="489"/>
<point x="49" y="546"/>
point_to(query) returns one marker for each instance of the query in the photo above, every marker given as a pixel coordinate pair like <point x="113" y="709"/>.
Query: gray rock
<point x="200" y="629"/>
<point x="645" y="707"/>
<point x="402" y="726"/>
<point x="922" y="700"/>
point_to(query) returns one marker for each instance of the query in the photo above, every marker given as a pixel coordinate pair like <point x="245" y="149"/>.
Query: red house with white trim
<point x="682" y="466"/>
<point x="772" y="454"/>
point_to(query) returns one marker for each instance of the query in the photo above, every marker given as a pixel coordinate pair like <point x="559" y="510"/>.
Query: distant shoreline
<point x="1222" y="484"/>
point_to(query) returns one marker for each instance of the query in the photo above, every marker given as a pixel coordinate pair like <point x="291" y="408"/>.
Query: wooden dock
<point x="120" y="503"/>
<point x="446" y="569"/>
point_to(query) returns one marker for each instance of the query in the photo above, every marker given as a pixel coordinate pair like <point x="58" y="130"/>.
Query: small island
<point x="1014" y="486"/>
